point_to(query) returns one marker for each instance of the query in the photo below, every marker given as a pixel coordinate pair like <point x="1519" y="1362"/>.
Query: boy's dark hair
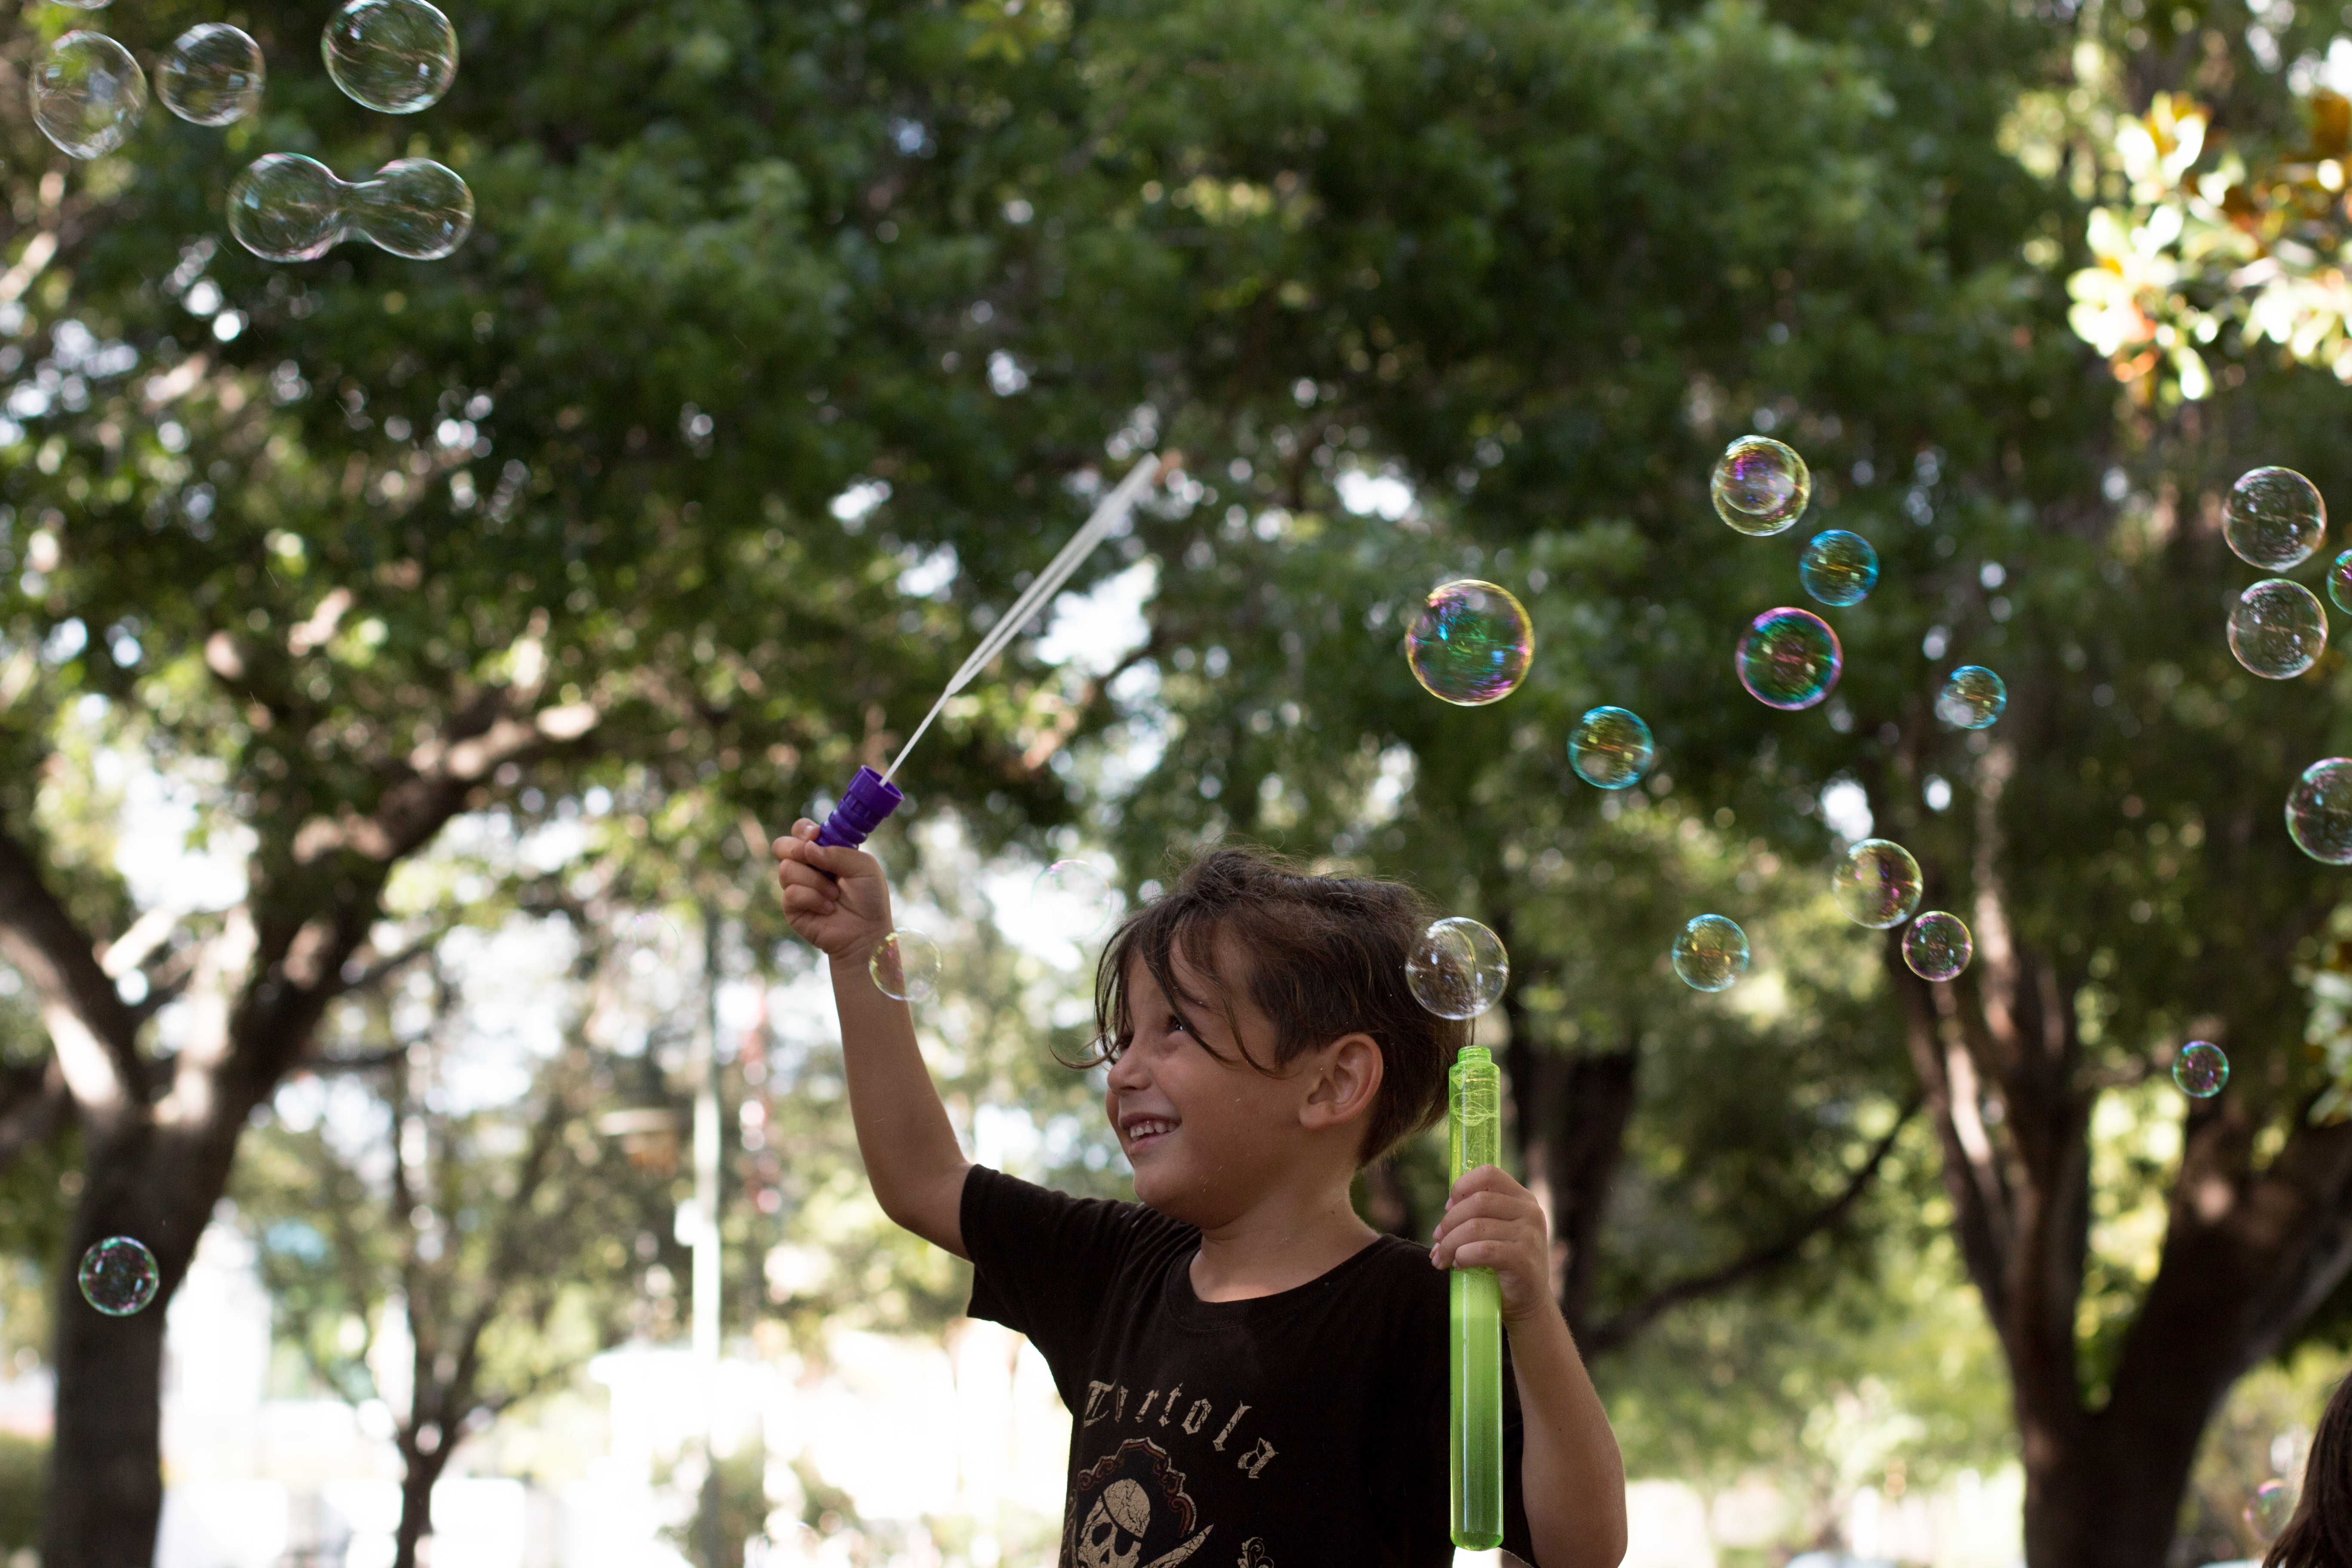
<point x="1326" y="957"/>
<point x="2320" y="1533"/>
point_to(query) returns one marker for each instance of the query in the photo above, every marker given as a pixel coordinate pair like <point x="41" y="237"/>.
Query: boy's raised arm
<point x="838" y="899"/>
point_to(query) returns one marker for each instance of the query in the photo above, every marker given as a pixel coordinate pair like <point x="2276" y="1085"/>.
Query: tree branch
<point x="1620" y="1329"/>
<point x="91" y="1026"/>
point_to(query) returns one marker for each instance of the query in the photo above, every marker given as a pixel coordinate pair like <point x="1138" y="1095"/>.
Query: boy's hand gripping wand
<point x="1474" y="1341"/>
<point x="871" y="796"/>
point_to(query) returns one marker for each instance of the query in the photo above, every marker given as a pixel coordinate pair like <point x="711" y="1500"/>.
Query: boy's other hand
<point x="1492" y="1222"/>
<point x="834" y="898"/>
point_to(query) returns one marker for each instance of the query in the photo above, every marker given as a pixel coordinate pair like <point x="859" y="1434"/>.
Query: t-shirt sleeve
<point x="1041" y="1260"/>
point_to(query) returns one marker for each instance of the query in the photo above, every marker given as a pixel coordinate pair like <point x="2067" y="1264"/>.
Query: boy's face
<point x="1208" y="1138"/>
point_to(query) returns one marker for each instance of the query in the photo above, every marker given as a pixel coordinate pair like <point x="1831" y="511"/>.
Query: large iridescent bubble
<point x="87" y="94"/>
<point x="1471" y="644"/>
<point x="1710" y="952"/>
<point x="119" y="1275"/>
<point x="2200" y="1069"/>
<point x="1457" y="969"/>
<point x="1760" y="486"/>
<point x="286" y="207"/>
<point x="395" y="55"/>
<point x="905" y="966"/>
<point x="2319" y="811"/>
<point x="1877" y="883"/>
<point x="2274" y="519"/>
<point x="1787" y="659"/>
<point x="1938" y="946"/>
<point x="2277" y="629"/>
<point x="211" y="76"/>
<point x="413" y="207"/>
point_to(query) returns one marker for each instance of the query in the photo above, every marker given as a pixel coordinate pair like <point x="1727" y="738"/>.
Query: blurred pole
<point x="706" y="1234"/>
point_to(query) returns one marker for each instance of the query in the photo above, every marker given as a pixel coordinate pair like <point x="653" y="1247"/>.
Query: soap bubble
<point x="87" y="94"/>
<point x="1457" y="968"/>
<point x="1877" y="883"/>
<point x="2274" y="519"/>
<point x="1710" y="954"/>
<point x="1787" y="659"/>
<point x="84" y="5"/>
<point x="211" y="75"/>
<point x="1938" y="947"/>
<point x="2200" y="1069"/>
<point x="397" y="55"/>
<point x="1471" y="644"/>
<point x="2340" y="582"/>
<point x="413" y="207"/>
<point x="119" y="1275"/>
<point x="2319" y="811"/>
<point x="1759" y="486"/>
<point x="905" y="965"/>
<point x="286" y="207"/>
<point x="2272" y="1506"/>
<point x="1838" y="568"/>
<point x="1074" y="893"/>
<point x="2277" y="629"/>
<point x="1972" y="698"/>
<point x="1610" y="748"/>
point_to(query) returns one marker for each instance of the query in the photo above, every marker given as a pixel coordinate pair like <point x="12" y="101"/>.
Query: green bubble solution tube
<point x="1475" y="1341"/>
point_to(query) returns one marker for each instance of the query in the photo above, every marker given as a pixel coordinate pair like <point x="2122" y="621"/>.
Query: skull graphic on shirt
<point x="1115" y="1529"/>
<point x="1122" y="1513"/>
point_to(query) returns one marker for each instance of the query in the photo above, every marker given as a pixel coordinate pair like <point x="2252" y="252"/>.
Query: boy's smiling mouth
<point x="1142" y="1132"/>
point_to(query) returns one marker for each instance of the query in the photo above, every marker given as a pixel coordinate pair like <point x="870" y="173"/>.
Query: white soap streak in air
<point x="1109" y="515"/>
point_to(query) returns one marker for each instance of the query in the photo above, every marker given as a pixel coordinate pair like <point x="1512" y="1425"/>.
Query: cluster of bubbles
<point x="287" y="208"/>
<point x="2200" y="1069"/>
<point x="88" y="94"/>
<point x="2273" y="520"/>
<point x="119" y="1275"/>
<point x="1471" y="644"/>
<point x="1458" y="968"/>
<point x="396" y="57"/>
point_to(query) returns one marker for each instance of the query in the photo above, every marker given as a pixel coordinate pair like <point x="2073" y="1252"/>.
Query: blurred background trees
<point x="789" y="342"/>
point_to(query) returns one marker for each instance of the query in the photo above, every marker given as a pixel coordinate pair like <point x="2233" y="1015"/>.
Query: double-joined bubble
<point x="286" y="207"/>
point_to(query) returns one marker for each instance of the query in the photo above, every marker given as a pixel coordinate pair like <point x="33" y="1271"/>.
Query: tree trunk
<point x="106" y="1478"/>
<point x="1572" y="1111"/>
<point x="106" y="1486"/>
<point x="418" y="1474"/>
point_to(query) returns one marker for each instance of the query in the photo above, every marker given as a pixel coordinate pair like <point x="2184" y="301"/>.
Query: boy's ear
<point x="1347" y="1081"/>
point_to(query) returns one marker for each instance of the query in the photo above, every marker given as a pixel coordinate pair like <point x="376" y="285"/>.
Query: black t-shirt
<point x="1305" y="1429"/>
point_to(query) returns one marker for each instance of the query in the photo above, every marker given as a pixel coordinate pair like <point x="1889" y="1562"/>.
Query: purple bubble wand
<point x="871" y="796"/>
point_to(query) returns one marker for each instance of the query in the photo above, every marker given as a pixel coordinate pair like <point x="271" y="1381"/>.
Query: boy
<point x="1256" y="1377"/>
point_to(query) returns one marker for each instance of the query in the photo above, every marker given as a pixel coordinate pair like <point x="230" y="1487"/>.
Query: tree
<point x="482" y="1233"/>
<point x="348" y="549"/>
